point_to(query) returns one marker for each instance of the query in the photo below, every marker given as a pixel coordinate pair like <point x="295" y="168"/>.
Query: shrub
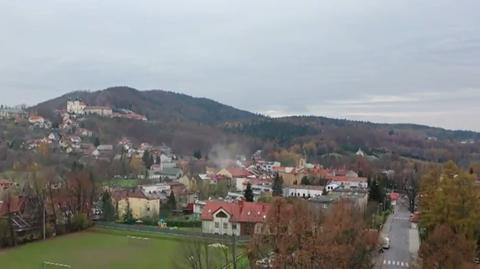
<point x="80" y="222"/>
<point x="150" y="220"/>
<point x="184" y="223"/>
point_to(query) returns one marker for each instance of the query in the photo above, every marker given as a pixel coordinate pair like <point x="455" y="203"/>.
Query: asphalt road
<point x="397" y="229"/>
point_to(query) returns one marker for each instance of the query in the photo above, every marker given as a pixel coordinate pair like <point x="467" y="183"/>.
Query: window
<point x="221" y="214"/>
<point x="217" y="225"/>
<point x="225" y="226"/>
<point x="234" y="226"/>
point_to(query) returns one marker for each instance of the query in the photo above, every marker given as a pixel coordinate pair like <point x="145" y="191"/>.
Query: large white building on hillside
<point x="76" y="107"/>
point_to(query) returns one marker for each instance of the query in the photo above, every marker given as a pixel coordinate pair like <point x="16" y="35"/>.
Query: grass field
<point x="95" y="249"/>
<point x="123" y="183"/>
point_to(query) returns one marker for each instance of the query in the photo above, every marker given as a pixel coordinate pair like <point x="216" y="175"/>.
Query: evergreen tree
<point x="128" y="216"/>
<point x="277" y="186"/>
<point x="96" y="141"/>
<point x="197" y="154"/>
<point x="147" y="159"/>
<point x="305" y="181"/>
<point x="248" y="194"/>
<point x="172" y="203"/>
<point x="324" y="191"/>
<point x="377" y="192"/>
<point x="108" y="210"/>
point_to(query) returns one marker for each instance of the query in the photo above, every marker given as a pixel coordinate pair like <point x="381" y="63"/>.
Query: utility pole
<point x="44" y="220"/>
<point x="234" y="255"/>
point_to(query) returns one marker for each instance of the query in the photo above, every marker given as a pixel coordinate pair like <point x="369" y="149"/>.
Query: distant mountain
<point x="188" y="123"/>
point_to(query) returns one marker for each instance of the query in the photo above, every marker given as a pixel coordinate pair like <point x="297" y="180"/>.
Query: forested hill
<point x="157" y="105"/>
<point x="189" y="123"/>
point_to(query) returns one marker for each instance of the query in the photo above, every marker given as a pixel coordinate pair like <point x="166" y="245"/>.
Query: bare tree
<point x="411" y="188"/>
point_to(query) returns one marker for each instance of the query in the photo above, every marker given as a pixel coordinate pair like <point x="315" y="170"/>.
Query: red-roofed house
<point x="241" y="218"/>
<point x="14" y="204"/>
<point x="36" y="119"/>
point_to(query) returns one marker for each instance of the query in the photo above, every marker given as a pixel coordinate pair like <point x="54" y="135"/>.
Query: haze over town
<point x="376" y="60"/>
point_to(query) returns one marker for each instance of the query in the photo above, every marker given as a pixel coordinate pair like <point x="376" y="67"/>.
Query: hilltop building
<point x="7" y="112"/>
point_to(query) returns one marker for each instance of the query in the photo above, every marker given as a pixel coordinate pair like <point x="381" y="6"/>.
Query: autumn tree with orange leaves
<point x="445" y="249"/>
<point x="297" y="236"/>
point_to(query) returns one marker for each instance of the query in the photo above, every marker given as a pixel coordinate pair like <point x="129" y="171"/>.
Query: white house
<point x="156" y="188"/>
<point x="99" y="110"/>
<point x="360" y="153"/>
<point x="351" y="182"/>
<point x="304" y="191"/>
<point x="198" y="208"/>
<point x="268" y="166"/>
<point x="239" y="218"/>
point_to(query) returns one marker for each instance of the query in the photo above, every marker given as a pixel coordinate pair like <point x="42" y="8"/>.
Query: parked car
<point x="386" y="243"/>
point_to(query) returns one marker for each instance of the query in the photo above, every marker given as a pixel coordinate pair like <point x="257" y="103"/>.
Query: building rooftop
<point x="239" y="212"/>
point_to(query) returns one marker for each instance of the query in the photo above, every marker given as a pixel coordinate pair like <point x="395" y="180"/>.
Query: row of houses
<point x="246" y="218"/>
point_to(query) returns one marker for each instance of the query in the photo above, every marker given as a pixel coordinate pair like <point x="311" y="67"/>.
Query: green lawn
<point x="92" y="250"/>
<point x="122" y="183"/>
<point x="100" y="249"/>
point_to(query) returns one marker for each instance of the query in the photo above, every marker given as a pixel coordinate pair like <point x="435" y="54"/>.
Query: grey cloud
<point x="355" y="59"/>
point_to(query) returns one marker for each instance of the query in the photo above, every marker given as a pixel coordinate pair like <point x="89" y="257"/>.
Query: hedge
<point x="191" y="224"/>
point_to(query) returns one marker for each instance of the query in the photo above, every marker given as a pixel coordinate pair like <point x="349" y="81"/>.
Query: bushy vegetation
<point x="80" y="222"/>
<point x="449" y="217"/>
<point x="179" y="223"/>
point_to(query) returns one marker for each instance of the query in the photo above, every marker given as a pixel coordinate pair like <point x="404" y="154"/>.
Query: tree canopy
<point x="277" y="186"/>
<point x="449" y="217"/>
<point x="108" y="210"/>
<point x="449" y="196"/>
<point x="300" y="237"/>
<point x="248" y="194"/>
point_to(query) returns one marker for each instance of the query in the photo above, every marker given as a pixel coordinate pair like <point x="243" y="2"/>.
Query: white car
<point x="386" y="243"/>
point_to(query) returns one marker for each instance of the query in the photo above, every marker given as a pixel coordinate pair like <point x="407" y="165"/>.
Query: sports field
<point x="94" y="249"/>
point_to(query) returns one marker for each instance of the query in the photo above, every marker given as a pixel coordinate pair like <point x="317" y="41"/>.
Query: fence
<point x="174" y="233"/>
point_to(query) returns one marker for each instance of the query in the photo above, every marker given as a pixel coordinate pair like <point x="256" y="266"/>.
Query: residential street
<point x="403" y="239"/>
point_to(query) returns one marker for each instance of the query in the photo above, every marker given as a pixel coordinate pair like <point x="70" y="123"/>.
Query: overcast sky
<point x="383" y="61"/>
